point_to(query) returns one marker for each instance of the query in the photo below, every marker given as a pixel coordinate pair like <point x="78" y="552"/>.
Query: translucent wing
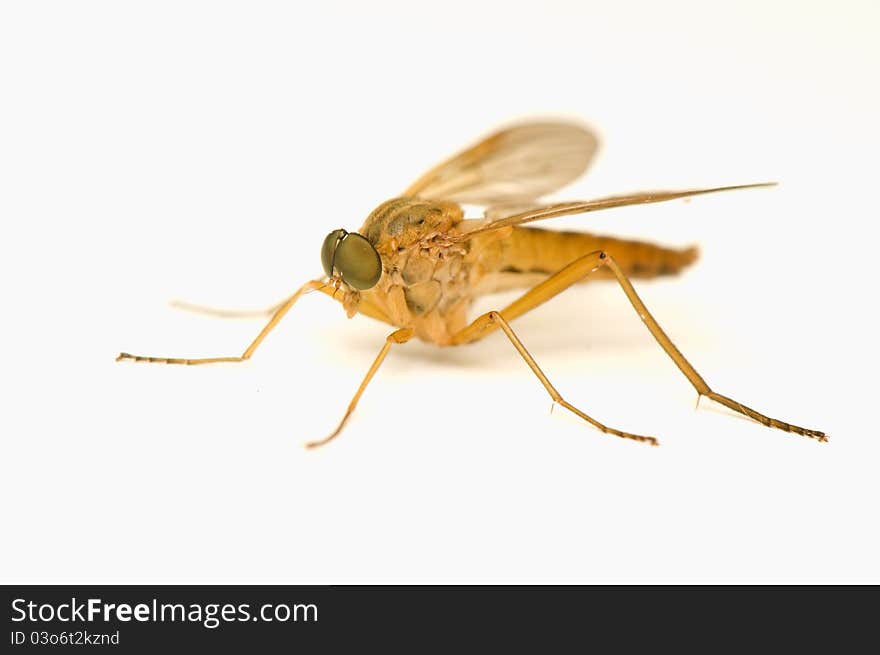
<point x="515" y="165"/>
<point x="502" y="216"/>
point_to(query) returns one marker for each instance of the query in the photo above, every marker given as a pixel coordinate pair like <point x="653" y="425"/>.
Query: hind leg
<point x="577" y="271"/>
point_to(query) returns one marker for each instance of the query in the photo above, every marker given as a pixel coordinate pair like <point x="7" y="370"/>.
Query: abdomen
<point x="528" y="255"/>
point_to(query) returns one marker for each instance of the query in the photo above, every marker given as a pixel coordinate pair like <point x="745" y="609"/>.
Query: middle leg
<point x="398" y="336"/>
<point x="494" y="319"/>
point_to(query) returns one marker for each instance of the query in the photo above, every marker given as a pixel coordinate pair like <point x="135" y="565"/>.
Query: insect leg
<point x="398" y="336"/>
<point x="226" y="313"/>
<point x="276" y="318"/>
<point x="492" y="320"/>
<point x="583" y="267"/>
<point x="689" y="372"/>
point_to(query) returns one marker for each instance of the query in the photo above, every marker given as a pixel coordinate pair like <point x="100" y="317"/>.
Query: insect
<point x="418" y="264"/>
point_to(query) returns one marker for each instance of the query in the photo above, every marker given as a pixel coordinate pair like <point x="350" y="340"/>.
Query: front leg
<point x="282" y="309"/>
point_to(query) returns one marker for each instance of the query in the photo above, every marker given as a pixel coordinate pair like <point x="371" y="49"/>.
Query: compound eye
<point x="328" y="250"/>
<point x="358" y="262"/>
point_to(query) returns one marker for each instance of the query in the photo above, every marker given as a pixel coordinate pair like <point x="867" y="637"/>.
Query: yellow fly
<point x="418" y="263"/>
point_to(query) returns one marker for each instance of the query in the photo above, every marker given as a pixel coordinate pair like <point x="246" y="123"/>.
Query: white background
<point x="201" y="151"/>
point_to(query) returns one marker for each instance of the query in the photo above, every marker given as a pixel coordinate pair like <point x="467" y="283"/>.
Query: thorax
<point x="425" y="282"/>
